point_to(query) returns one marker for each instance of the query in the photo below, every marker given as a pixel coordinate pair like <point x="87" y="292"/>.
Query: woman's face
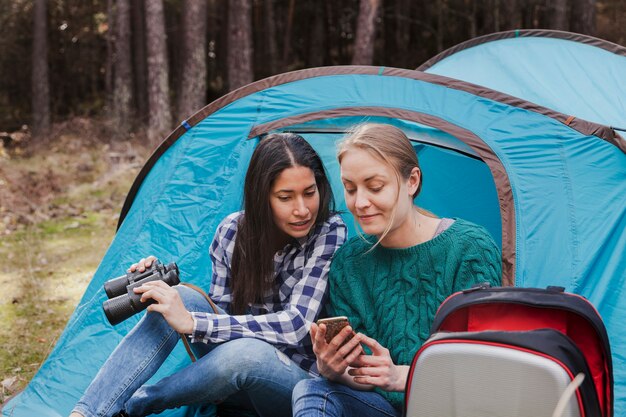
<point x="371" y="191"/>
<point x="295" y="201"/>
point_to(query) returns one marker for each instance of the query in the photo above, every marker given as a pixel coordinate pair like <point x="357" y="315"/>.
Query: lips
<point x="301" y="224"/>
<point x="366" y="217"/>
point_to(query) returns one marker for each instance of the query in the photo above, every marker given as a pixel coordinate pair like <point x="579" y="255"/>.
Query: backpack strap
<point x="213" y="306"/>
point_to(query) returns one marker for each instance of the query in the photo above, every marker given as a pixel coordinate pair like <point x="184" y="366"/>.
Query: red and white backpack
<point x="513" y="352"/>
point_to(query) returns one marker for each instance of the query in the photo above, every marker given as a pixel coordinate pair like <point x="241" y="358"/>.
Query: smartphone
<point x="334" y="326"/>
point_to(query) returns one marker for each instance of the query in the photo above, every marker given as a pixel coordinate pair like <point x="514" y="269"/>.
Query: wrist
<point x="402" y="372"/>
<point x="190" y="324"/>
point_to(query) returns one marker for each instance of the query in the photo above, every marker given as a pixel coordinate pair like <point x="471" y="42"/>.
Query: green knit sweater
<point x="392" y="295"/>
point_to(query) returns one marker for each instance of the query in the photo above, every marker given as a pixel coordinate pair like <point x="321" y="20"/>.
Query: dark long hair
<point x="252" y="266"/>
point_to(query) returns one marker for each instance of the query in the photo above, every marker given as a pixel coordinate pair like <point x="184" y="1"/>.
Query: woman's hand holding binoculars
<point x="144" y="264"/>
<point x="168" y="303"/>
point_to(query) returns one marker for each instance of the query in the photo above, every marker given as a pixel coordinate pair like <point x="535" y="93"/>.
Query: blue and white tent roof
<point x="571" y="73"/>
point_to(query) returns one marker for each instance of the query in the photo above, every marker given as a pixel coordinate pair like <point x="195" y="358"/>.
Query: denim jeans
<point x="227" y="370"/>
<point x="322" y="398"/>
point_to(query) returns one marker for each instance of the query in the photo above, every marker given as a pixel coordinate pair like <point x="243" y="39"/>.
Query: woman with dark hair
<point x="269" y="281"/>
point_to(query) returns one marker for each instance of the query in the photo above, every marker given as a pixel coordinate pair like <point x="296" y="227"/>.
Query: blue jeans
<point x="246" y="366"/>
<point x="322" y="398"/>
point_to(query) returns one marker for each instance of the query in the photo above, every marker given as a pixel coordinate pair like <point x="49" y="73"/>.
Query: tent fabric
<point x="517" y="168"/>
<point x="571" y="73"/>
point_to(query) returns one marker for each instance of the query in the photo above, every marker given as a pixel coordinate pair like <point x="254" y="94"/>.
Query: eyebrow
<point x="284" y="190"/>
<point x="373" y="177"/>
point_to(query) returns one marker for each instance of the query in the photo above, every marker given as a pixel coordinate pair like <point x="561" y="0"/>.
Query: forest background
<point x="88" y="88"/>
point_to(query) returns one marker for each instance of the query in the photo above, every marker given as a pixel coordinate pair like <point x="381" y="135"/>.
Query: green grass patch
<point x="45" y="269"/>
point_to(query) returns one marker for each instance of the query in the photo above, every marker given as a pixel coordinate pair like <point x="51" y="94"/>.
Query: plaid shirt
<point x="285" y="317"/>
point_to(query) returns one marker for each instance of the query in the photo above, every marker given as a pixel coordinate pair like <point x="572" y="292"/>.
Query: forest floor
<point x="60" y="200"/>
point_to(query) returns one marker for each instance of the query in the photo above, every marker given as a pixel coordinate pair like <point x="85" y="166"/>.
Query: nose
<point x="300" y="209"/>
<point x="361" y="201"/>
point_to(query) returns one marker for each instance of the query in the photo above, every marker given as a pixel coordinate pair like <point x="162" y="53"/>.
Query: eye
<point x="376" y="189"/>
<point x="283" y="198"/>
<point x="350" y="191"/>
<point x="310" y="193"/>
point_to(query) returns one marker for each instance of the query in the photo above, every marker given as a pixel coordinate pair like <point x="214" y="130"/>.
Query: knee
<point x="309" y="395"/>
<point x="310" y="388"/>
<point x="244" y="357"/>
<point x="192" y="299"/>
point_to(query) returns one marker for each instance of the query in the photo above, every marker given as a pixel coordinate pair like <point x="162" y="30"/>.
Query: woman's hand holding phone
<point x="378" y="368"/>
<point x="334" y="356"/>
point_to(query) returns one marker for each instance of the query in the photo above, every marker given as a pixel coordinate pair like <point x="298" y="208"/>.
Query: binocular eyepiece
<point x="123" y="302"/>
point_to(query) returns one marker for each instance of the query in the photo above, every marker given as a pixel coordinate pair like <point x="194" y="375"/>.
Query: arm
<point x="481" y="262"/>
<point x="289" y="326"/>
<point x="221" y="253"/>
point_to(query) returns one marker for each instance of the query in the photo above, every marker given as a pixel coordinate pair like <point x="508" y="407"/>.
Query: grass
<point x="45" y="266"/>
<point x="45" y="269"/>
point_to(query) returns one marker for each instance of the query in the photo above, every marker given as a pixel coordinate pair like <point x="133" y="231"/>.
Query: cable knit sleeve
<point x="481" y="261"/>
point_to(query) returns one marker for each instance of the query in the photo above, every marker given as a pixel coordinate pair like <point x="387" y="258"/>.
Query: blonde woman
<point x="388" y="281"/>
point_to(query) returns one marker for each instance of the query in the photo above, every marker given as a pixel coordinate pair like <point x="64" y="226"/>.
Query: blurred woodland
<point x="149" y="64"/>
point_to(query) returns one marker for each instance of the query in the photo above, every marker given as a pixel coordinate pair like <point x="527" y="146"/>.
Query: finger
<point x="313" y="331"/>
<point x="147" y="286"/>
<point x="368" y="380"/>
<point x="377" y="348"/>
<point x="149" y="261"/>
<point x="133" y="267"/>
<point x="157" y="283"/>
<point x="341" y="337"/>
<point x="370" y="360"/>
<point x="141" y="265"/>
<point x="155" y="294"/>
<point x="319" y="340"/>
<point x="372" y="371"/>
<point x="157" y="308"/>
<point x="351" y="344"/>
<point x="320" y="335"/>
<point x="352" y="356"/>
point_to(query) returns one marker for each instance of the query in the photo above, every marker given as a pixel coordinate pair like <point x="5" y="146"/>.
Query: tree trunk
<point x="512" y="14"/>
<point x="110" y="41"/>
<point x="440" y="22"/>
<point x="402" y="34"/>
<point x="160" y="118"/>
<point x="317" y="47"/>
<point x="139" y="61"/>
<point x="123" y="80"/>
<point x="496" y="15"/>
<point x="557" y="12"/>
<point x="286" y="59"/>
<point x="39" y="81"/>
<point x="192" y="94"/>
<point x="239" y="44"/>
<point x="584" y="17"/>
<point x="365" y="33"/>
<point x="272" y="47"/>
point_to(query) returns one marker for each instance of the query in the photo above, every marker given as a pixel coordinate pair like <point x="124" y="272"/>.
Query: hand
<point x="143" y="264"/>
<point x="332" y="361"/>
<point x="169" y="304"/>
<point x="378" y="368"/>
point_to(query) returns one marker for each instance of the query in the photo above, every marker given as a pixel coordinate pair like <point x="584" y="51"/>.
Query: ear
<point x="414" y="180"/>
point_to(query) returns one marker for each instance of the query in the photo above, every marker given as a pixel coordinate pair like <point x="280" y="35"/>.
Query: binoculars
<point x="123" y="302"/>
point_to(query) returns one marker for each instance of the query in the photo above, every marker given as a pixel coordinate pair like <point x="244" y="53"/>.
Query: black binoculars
<point x="123" y="302"/>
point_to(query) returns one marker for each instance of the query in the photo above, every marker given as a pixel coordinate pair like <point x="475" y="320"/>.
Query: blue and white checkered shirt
<point x="285" y="316"/>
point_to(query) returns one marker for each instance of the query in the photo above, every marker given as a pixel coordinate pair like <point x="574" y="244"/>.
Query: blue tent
<point x="571" y="73"/>
<point x="533" y="180"/>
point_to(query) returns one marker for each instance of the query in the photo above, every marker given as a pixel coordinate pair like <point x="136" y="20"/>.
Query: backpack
<point x="513" y="352"/>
